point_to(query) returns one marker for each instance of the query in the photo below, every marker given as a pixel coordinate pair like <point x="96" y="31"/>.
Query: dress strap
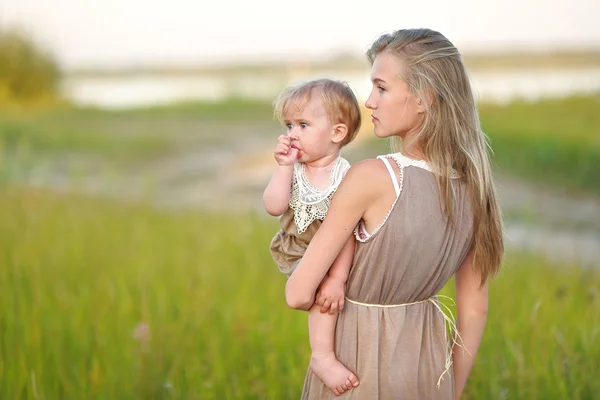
<point x="392" y="174"/>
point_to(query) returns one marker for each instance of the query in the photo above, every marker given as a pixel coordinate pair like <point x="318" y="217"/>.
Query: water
<point x="144" y="90"/>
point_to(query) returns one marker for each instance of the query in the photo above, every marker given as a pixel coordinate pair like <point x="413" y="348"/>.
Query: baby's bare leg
<point x="323" y="363"/>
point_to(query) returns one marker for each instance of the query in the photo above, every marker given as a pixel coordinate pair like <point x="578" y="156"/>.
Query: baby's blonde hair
<point x="339" y="99"/>
<point x="451" y="136"/>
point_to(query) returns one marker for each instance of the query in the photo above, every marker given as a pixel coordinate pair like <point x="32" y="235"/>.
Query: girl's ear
<point x="339" y="133"/>
<point x="424" y="103"/>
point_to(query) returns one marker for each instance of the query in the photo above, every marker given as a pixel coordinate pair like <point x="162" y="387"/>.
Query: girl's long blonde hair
<point x="450" y="136"/>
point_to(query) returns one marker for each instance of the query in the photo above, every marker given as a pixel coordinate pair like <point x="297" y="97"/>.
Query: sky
<point x="121" y="33"/>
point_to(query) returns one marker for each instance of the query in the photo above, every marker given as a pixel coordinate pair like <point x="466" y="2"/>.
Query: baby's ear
<point x="339" y="133"/>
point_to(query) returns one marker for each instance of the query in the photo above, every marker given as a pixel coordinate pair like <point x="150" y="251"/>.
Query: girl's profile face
<point x="395" y="111"/>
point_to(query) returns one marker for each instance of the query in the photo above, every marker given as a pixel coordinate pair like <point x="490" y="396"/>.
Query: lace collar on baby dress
<point x="310" y="203"/>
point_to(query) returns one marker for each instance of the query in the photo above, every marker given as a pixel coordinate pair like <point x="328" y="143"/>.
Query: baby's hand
<point x="285" y="154"/>
<point x="330" y="295"/>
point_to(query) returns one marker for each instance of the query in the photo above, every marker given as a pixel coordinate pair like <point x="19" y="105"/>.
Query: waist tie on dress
<point x="449" y="319"/>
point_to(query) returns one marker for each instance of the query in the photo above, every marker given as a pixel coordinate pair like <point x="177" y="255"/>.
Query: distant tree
<point x="28" y="72"/>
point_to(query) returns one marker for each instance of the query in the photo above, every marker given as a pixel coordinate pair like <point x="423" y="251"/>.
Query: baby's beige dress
<point x="307" y="209"/>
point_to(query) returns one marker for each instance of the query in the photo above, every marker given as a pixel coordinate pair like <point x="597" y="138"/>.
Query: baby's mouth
<point x="297" y="148"/>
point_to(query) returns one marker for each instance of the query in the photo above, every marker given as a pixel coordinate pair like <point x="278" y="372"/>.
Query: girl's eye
<point x="289" y="126"/>
<point x="381" y="89"/>
<point x="303" y="125"/>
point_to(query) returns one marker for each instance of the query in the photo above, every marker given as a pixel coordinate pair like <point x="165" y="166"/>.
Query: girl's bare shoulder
<point x="368" y="177"/>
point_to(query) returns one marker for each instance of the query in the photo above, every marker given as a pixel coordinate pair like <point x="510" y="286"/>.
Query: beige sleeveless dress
<point x="392" y="332"/>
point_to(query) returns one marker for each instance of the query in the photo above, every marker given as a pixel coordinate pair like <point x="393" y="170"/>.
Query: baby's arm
<point x="333" y="289"/>
<point x="276" y="196"/>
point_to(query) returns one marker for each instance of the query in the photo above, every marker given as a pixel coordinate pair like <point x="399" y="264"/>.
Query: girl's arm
<point x="472" y="307"/>
<point x="355" y="194"/>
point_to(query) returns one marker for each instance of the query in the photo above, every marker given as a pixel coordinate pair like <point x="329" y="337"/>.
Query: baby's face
<point x="310" y="129"/>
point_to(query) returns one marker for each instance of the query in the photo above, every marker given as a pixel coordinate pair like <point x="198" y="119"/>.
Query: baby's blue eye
<point x="289" y="126"/>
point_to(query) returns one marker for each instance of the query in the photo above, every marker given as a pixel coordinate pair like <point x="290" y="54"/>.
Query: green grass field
<point x="553" y="141"/>
<point x="102" y="300"/>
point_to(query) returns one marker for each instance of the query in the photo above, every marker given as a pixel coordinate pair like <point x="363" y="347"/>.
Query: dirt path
<point x="231" y="175"/>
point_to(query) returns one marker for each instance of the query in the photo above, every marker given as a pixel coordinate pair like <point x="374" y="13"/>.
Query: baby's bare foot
<point x="333" y="373"/>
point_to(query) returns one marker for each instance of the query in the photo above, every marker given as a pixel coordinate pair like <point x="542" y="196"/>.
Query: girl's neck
<point x="413" y="150"/>
<point x="415" y="155"/>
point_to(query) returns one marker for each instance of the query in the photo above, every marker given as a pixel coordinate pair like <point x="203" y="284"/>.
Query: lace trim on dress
<point x="310" y="203"/>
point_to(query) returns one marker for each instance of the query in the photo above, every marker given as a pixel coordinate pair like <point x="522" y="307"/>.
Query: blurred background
<point x="135" y="142"/>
